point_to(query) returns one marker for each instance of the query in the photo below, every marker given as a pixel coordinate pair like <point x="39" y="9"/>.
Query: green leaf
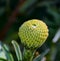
<point x="6" y="47"/>
<point x="2" y="53"/>
<point x="39" y="58"/>
<point x="7" y="54"/>
<point x="10" y="58"/>
<point x="1" y="59"/>
<point x="17" y="50"/>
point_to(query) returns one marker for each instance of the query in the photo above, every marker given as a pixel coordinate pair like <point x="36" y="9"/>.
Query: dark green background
<point x="47" y="11"/>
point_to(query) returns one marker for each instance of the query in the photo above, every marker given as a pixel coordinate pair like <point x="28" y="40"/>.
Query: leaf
<point x="8" y="56"/>
<point x="2" y="53"/>
<point x="1" y="59"/>
<point x="6" y="47"/>
<point x="39" y="58"/>
<point x="17" y="50"/>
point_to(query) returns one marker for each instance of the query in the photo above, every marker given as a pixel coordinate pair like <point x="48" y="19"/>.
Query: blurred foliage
<point x="48" y="11"/>
<point x="26" y="55"/>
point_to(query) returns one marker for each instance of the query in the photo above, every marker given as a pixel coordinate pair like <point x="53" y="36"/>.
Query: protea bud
<point x="33" y="33"/>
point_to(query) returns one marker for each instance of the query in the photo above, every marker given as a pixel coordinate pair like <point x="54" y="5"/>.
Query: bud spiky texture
<point x="33" y="33"/>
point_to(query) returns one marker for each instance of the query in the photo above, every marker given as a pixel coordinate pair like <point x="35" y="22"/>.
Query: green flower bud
<point x="33" y="33"/>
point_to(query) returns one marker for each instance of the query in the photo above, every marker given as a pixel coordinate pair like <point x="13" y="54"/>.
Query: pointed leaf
<point x="17" y="50"/>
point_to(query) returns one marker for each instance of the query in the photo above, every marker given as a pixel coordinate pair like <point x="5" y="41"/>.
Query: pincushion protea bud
<point x="33" y="33"/>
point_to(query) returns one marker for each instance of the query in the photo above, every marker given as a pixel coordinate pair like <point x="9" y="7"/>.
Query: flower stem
<point x="28" y="55"/>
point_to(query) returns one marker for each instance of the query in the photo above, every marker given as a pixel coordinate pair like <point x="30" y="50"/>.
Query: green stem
<point x="28" y="55"/>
